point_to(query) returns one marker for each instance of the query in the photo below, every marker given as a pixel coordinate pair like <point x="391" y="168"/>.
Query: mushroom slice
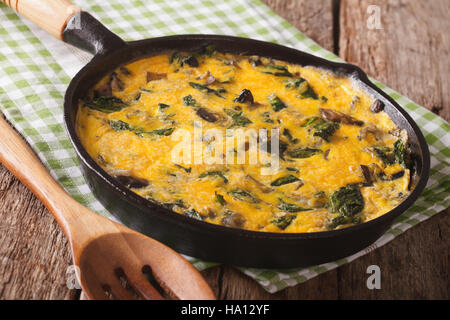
<point x="367" y="175"/>
<point x="337" y="116"/>
<point x="259" y="184"/>
<point x="233" y="219"/>
<point x="206" y="115"/>
<point x="155" y="76"/>
<point x="116" y="83"/>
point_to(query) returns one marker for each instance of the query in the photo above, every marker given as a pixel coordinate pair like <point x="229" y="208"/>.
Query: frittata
<point x="341" y="159"/>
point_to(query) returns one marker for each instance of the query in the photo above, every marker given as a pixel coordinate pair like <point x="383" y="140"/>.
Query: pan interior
<point x="101" y="65"/>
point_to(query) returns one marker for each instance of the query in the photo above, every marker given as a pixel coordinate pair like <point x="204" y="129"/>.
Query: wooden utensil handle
<point x="50" y="15"/>
<point x="18" y="158"/>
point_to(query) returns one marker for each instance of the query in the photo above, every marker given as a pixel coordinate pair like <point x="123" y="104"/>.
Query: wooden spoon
<point x="112" y="259"/>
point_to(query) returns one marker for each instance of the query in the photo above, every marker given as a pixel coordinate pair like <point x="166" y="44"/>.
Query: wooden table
<point x="410" y="54"/>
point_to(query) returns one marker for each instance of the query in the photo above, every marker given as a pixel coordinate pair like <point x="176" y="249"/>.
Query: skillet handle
<point x="50" y="15"/>
<point x="66" y="22"/>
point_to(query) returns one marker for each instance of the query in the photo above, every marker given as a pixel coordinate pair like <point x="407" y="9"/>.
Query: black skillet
<point x="186" y="235"/>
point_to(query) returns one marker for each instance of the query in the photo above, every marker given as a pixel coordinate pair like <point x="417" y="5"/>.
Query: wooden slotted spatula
<point x="113" y="260"/>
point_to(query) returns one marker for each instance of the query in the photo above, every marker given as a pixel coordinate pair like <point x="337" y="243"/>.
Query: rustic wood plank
<point x="413" y="266"/>
<point x="408" y="54"/>
<point x="312" y="17"/>
<point x="34" y="253"/>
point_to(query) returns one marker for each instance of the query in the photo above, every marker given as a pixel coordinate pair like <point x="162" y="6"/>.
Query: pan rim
<point x="164" y="213"/>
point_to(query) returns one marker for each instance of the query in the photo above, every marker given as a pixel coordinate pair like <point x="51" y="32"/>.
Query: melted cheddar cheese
<point x="342" y="159"/>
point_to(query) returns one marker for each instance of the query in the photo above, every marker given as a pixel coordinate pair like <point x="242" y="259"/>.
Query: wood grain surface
<point x="410" y="54"/>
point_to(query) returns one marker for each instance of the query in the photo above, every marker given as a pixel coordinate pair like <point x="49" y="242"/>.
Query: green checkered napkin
<point x="35" y="70"/>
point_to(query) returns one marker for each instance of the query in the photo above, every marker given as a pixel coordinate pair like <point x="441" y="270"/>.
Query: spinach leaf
<point x="200" y="87"/>
<point x="302" y="153"/>
<point x="220" y="199"/>
<point x="305" y="90"/>
<point x="401" y="154"/>
<point x="190" y="101"/>
<point x="288" y="135"/>
<point x="348" y="201"/>
<point x="294" y="83"/>
<point x="244" y="195"/>
<point x="170" y="205"/>
<point x="163" y="106"/>
<point x="238" y="119"/>
<point x="161" y="132"/>
<point x="321" y="128"/>
<point x="206" y="89"/>
<point x="284" y="180"/>
<point x="290" y="207"/>
<point x="276" y="67"/>
<point x="266" y="117"/>
<point x="284" y="221"/>
<point x="310" y="121"/>
<point x="277" y="70"/>
<point x="385" y="154"/>
<point x="325" y="129"/>
<point x="119" y="125"/>
<point x="175" y="57"/>
<point x="213" y="174"/>
<point x="341" y="220"/>
<point x="188" y="170"/>
<point x="208" y="50"/>
<point x="308" y="92"/>
<point x="106" y="104"/>
<point x="276" y="103"/>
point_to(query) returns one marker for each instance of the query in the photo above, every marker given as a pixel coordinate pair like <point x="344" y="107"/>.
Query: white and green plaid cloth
<point x="35" y="70"/>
